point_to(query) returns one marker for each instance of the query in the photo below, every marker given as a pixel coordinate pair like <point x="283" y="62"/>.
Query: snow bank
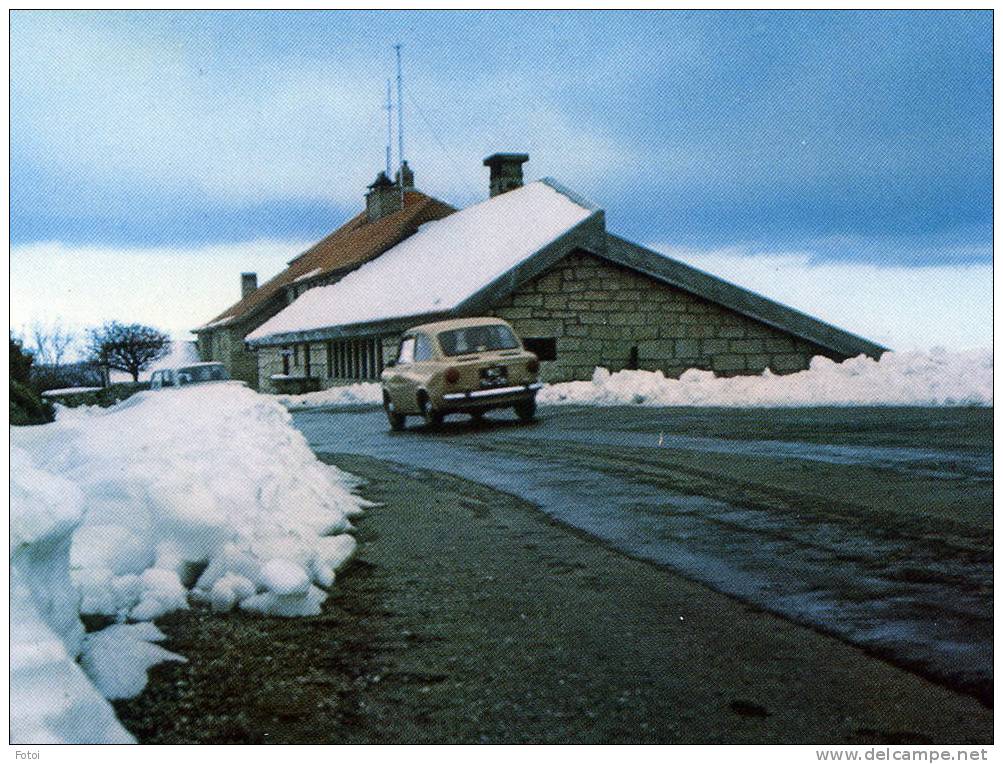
<point x="51" y="699"/>
<point x="359" y="394"/>
<point x="201" y="493"/>
<point x="934" y="378"/>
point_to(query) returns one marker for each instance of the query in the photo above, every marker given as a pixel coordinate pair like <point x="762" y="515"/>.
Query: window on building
<point x="545" y="348"/>
<point x="286" y="352"/>
<point x="354" y="359"/>
<point x="633" y="360"/>
<point x="306" y="359"/>
<point x="422" y="348"/>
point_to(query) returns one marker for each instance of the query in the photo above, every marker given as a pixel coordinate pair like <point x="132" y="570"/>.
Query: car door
<point x="424" y="363"/>
<point x="400" y="387"/>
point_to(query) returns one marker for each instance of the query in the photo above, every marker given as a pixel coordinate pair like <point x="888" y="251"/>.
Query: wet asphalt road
<point x="874" y="526"/>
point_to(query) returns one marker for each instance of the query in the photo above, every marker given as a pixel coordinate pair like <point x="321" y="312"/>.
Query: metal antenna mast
<point x="400" y="122"/>
<point x="390" y="130"/>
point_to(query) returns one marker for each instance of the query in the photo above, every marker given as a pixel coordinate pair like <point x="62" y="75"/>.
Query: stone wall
<point x="226" y="345"/>
<point x="603" y="314"/>
<point x="598" y="312"/>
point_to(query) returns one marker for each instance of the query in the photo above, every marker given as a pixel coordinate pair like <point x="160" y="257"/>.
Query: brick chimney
<point x="248" y="284"/>
<point x="384" y="197"/>
<point x="506" y="171"/>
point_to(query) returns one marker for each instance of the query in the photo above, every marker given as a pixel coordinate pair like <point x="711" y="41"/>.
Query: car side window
<point x="406" y="352"/>
<point x="422" y="348"/>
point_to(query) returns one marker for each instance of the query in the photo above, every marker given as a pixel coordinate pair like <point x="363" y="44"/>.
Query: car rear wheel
<point x="432" y="417"/>
<point x="525" y="410"/>
<point x="395" y="418"/>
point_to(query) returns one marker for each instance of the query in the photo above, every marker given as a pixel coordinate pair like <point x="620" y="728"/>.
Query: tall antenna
<point x="390" y="130"/>
<point x="400" y="122"/>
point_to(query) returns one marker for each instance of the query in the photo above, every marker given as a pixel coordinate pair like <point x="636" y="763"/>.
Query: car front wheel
<point x="525" y="410"/>
<point x="432" y="417"/>
<point x="395" y="418"/>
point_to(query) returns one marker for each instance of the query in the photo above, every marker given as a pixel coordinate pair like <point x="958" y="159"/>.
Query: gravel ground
<point x="469" y="616"/>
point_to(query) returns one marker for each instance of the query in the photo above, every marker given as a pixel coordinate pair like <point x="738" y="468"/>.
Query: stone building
<point x="537" y="255"/>
<point x="389" y="218"/>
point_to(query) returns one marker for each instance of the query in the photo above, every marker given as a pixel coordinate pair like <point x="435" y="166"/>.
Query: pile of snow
<point x="205" y="493"/>
<point x="435" y="269"/>
<point x="359" y="394"/>
<point x="934" y="378"/>
<point x="51" y="699"/>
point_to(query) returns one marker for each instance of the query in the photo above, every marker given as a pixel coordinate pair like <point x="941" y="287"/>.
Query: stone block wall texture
<point x="598" y="311"/>
<point x="226" y="345"/>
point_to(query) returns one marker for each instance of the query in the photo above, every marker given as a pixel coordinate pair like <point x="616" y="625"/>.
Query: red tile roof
<point x="355" y="243"/>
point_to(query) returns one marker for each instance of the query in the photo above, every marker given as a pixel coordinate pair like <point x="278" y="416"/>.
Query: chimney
<point x="384" y="197"/>
<point x="408" y="174"/>
<point x="248" y="284"/>
<point x="506" y="171"/>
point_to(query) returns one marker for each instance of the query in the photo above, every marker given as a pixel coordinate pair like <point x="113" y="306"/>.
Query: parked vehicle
<point x="191" y="374"/>
<point x="468" y="366"/>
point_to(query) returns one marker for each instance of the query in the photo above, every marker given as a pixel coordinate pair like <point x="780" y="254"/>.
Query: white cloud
<point x="179" y="288"/>
<point x="901" y="307"/>
<point x="173" y="289"/>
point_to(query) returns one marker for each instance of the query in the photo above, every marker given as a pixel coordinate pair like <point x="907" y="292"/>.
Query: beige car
<point x="463" y="366"/>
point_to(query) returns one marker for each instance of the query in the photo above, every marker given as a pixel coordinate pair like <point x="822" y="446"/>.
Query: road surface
<point x="872" y="525"/>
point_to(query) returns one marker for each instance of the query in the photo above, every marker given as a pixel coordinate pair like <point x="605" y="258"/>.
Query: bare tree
<point x="127" y="347"/>
<point x="50" y="343"/>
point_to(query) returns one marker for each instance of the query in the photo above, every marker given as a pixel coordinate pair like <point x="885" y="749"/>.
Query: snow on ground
<point x="204" y="493"/>
<point x="359" y="394"/>
<point x="69" y="391"/>
<point x="934" y="378"/>
<point x="440" y="266"/>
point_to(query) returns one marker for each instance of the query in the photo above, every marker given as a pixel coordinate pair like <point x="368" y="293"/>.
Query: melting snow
<point x="202" y="493"/>
<point x="934" y="378"/>
<point x="359" y="394"/>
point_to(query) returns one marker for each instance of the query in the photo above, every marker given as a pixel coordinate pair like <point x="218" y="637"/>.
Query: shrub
<point x="27" y="407"/>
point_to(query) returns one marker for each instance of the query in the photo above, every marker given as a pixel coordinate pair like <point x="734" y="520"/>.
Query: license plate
<point x="494" y="376"/>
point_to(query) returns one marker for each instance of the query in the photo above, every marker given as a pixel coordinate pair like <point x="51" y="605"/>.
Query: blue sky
<point x="838" y="138"/>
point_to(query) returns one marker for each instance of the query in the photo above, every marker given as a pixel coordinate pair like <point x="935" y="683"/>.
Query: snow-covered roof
<point x="352" y="244"/>
<point x="442" y="265"/>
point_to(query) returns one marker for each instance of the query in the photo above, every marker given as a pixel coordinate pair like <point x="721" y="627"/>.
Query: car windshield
<point x="188" y="375"/>
<point x="477" y="339"/>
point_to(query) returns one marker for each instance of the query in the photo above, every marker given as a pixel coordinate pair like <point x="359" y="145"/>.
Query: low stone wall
<point x="602" y="314"/>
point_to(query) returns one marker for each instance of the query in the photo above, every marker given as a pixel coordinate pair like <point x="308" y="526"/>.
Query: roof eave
<point x="738" y="299"/>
